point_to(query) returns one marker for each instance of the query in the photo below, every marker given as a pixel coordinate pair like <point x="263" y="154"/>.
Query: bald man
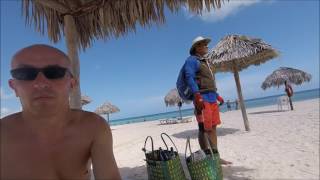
<point x="47" y="139"/>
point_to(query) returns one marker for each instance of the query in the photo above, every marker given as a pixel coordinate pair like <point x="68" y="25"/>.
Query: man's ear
<point x="12" y="85"/>
<point x="74" y="83"/>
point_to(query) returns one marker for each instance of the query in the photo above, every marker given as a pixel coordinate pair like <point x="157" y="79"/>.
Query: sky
<point x="136" y="71"/>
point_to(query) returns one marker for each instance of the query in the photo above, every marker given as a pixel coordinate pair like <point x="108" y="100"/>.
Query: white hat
<point x="197" y="40"/>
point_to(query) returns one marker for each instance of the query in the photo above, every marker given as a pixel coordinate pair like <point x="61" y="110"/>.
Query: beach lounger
<point x="186" y="119"/>
<point x="176" y="120"/>
<point x="169" y="121"/>
<point x="283" y="101"/>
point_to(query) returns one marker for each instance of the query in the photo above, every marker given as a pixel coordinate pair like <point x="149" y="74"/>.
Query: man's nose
<point x="41" y="81"/>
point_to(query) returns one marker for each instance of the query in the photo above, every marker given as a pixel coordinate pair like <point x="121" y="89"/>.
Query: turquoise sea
<point x="249" y="103"/>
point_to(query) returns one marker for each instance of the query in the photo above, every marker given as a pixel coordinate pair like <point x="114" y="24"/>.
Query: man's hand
<point x="198" y="102"/>
<point x="220" y="99"/>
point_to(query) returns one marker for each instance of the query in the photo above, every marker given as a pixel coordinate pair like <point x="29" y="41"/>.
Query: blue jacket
<point x="192" y="65"/>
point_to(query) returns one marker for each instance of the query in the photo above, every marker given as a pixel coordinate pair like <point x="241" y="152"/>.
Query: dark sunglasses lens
<point x="24" y="73"/>
<point x="54" y="72"/>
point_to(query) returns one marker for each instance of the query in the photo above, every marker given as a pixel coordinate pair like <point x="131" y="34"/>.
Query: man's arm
<point x="220" y="99"/>
<point x="103" y="161"/>
<point x="191" y="67"/>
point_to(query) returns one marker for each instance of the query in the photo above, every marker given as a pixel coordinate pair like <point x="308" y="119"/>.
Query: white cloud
<point x="154" y="99"/>
<point x="227" y="8"/>
<point x="97" y="67"/>
<point x="3" y="95"/>
<point x="6" y="111"/>
<point x="250" y="85"/>
<point x="140" y="106"/>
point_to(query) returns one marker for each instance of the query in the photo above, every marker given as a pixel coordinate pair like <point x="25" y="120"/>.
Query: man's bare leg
<point x="213" y="137"/>
<point x="202" y="140"/>
<point x="214" y="143"/>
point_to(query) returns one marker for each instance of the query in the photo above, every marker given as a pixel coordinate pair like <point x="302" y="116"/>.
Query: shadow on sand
<point x="235" y="172"/>
<point x="270" y="111"/>
<point x="193" y="134"/>
<point x="140" y="172"/>
<point x="134" y="173"/>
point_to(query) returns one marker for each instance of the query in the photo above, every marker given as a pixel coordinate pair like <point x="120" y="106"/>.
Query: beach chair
<point x="186" y="119"/>
<point x="283" y="101"/>
<point x="169" y="121"/>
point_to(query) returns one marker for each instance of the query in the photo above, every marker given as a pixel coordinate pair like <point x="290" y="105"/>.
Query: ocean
<point x="249" y="103"/>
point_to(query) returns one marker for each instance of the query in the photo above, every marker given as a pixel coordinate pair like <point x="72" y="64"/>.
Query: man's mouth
<point x="42" y="97"/>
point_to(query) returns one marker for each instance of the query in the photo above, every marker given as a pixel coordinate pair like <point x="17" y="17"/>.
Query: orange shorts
<point x="210" y="116"/>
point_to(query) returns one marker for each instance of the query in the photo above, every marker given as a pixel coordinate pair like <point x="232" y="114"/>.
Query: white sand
<point x="280" y="145"/>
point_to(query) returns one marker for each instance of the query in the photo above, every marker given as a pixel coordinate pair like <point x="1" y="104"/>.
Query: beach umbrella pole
<point x="108" y="117"/>
<point x="242" y="106"/>
<point x="71" y="39"/>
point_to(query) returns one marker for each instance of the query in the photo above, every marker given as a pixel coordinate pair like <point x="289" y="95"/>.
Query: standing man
<point x="200" y="79"/>
<point x="47" y="139"/>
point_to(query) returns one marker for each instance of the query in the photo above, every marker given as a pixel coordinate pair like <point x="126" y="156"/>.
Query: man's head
<point x="41" y="77"/>
<point x="199" y="46"/>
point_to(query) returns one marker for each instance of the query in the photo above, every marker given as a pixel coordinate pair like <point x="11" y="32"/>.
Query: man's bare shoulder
<point x="12" y="126"/>
<point x="89" y="119"/>
<point x="10" y="120"/>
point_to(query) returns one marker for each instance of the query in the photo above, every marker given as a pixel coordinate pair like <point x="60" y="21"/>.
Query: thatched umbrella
<point x="83" y="21"/>
<point x="235" y="53"/>
<point x="173" y="99"/>
<point x="288" y="75"/>
<point x="85" y="100"/>
<point x="107" y="108"/>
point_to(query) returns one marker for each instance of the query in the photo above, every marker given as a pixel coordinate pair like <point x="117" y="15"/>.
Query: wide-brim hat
<point x="198" y="40"/>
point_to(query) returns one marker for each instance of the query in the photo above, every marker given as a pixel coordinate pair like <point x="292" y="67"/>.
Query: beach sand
<point x="280" y="145"/>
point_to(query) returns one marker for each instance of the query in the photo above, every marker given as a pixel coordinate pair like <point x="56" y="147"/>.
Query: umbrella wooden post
<point x="108" y="117"/>
<point x="242" y="106"/>
<point x="71" y="38"/>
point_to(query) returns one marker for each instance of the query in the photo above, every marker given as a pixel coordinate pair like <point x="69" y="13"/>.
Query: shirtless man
<point x="48" y="140"/>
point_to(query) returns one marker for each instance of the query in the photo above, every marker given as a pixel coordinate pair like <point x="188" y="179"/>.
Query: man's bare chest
<point x="66" y="156"/>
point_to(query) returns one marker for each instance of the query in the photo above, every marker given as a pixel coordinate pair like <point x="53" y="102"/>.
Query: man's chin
<point x="44" y="103"/>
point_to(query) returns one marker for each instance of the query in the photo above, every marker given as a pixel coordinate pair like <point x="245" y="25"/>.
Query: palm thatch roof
<point x="173" y="98"/>
<point x="107" y="108"/>
<point x="85" y="100"/>
<point x="291" y="75"/>
<point x="237" y="52"/>
<point x="101" y="19"/>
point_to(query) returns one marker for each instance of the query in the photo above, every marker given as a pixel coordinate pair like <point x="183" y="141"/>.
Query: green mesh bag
<point x="163" y="168"/>
<point x="207" y="168"/>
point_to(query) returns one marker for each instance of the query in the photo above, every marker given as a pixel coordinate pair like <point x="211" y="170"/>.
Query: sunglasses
<point x="31" y="73"/>
<point x="202" y="45"/>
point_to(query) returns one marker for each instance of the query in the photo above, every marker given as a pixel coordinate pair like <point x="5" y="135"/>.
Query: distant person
<point x="228" y="105"/>
<point x="237" y="104"/>
<point x="289" y="91"/>
<point x="200" y="80"/>
<point x="47" y="139"/>
<point x="179" y="106"/>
